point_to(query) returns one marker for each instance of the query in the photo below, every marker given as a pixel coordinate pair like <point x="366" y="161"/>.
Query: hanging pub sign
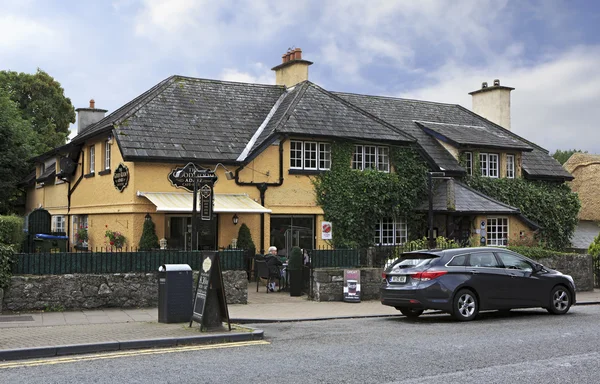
<point x="210" y="303"/>
<point x="121" y="177"/>
<point x="206" y="200"/>
<point x="352" y="285"/>
<point x="183" y="177"/>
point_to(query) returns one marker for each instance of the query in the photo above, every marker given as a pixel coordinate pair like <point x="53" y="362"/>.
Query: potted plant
<point x="82" y="238"/>
<point x="295" y="271"/>
<point x="116" y="239"/>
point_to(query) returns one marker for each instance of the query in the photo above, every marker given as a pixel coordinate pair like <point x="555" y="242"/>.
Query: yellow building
<point x="264" y="143"/>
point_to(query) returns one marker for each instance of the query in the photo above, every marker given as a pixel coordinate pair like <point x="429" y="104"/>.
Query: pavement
<point x="48" y="334"/>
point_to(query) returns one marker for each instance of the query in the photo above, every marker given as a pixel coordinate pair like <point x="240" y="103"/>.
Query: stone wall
<point x="580" y="267"/>
<point x="86" y="291"/>
<point x="328" y="284"/>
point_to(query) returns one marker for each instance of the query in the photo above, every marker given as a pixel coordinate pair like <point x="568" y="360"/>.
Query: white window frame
<point x="483" y="164"/>
<point x="510" y="166"/>
<point x="391" y="232"/>
<point x="92" y="158"/>
<point x="106" y="154"/>
<point x="58" y="223"/>
<point x="311" y="155"/>
<point x="314" y="155"/>
<point x="493" y="165"/>
<point x="78" y="220"/>
<point x="363" y="156"/>
<point x="499" y="226"/>
<point x="324" y="156"/>
<point x="294" y="152"/>
<point x="469" y="163"/>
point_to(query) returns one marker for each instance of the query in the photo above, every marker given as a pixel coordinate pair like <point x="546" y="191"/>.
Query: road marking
<point x="138" y="352"/>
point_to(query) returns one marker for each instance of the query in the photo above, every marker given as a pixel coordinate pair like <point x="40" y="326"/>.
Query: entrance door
<point x="181" y="233"/>
<point x="292" y="231"/>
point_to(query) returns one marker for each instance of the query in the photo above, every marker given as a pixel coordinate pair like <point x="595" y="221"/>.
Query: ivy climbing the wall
<point x="355" y="201"/>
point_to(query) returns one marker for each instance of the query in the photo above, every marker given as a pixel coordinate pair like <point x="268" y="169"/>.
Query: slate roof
<point x="465" y="200"/>
<point x="48" y="173"/>
<point x="584" y="234"/>
<point x="473" y="136"/>
<point x="403" y="113"/>
<point x="309" y="110"/>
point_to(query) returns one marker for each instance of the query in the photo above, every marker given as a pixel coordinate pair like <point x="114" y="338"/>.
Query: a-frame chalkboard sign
<point x="210" y="303"/>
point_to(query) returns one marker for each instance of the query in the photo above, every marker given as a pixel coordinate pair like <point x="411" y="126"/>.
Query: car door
<point x="525" y="288"/>
<point x="488" y="278"/>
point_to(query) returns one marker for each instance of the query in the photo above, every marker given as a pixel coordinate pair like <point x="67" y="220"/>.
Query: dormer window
<point x="510" y="166"/>
<point x="488" y="163"/>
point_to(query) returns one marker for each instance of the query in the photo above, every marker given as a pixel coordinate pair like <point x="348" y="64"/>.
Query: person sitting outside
<point x="274" y="264"/>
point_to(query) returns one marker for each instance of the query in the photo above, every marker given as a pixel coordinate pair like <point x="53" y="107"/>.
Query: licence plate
<point x="398" y="279"/>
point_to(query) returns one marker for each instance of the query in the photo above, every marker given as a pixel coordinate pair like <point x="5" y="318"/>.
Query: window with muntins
<point x="310" y="155"/>
<point x="489" y="164"/>
<point x="92" y="158"/>
<point x="58" y="223"/>
<point x="497" y="231"/>
<point x="510" y="166"/>
<point x="390" y="232"/>
<point x="483" y="164"/>
<point x="469" y="163"/>
<point x="371" y="157"/>
<point x="106" y="155"/>
<point x="493" y="165"/>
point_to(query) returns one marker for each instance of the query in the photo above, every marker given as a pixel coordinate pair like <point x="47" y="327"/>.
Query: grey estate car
<point x="463" y="281"/>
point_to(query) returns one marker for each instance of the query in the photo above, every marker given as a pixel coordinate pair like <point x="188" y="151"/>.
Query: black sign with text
<point x="121" y="177"/>
<point x="183" y="177"/>
<point x="210" y="287"/>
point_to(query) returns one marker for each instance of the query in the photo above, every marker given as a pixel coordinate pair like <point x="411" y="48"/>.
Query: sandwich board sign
<point x="210" y="304"/>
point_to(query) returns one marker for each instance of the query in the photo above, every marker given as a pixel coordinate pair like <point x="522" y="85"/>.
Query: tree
<point x="15" y="147"/>
<point x="42" y="102"/>
<point x="245" y="238"/>
<point x="563" y="156"/>
<point x="149" y="240"/>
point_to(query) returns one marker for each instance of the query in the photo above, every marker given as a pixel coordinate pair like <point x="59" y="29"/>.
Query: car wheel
<point x="560" y="301"/>
<point x="465" y="306"/>
<point x="411" y="313"/>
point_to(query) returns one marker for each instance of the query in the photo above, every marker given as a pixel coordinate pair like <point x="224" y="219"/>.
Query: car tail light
<point x="383" y="275"/>
<point x="428" y="275"/>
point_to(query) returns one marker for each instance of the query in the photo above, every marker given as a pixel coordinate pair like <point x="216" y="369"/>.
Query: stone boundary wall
<point x="87" y="291"/>
<point x="580" y="267"/>
<point x="328" y="283"/>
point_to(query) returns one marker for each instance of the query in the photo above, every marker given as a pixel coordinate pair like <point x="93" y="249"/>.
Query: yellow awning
<point x="182" y="202"/>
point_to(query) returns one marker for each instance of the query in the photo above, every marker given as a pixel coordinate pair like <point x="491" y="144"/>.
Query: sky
<point x="435" y="50"/>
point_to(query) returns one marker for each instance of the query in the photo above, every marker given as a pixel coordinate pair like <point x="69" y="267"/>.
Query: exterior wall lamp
<point x="235" y="219"/>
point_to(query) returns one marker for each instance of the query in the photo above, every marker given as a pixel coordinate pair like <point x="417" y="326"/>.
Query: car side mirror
<point x="537" y="268"/>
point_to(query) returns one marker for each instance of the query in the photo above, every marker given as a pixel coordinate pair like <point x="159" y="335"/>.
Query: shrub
<point x="11" y="230"/>
<point x="7" y="253"/>
<point x="244" y="240"/>
<point x="594" y="248"/>
<point x="295" y="261"/>
<point x="149" y="240"/>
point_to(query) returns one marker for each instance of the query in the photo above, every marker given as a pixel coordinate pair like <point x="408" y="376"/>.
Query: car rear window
<point x="412" y="260"/>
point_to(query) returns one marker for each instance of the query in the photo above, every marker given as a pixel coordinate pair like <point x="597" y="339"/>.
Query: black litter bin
<point x="174" y="293"/>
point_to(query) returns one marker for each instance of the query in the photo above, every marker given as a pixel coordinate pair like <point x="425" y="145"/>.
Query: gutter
<point x="262" y="188"/>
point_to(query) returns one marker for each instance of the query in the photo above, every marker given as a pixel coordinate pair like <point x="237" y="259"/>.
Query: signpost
<point x="210" y="303"/>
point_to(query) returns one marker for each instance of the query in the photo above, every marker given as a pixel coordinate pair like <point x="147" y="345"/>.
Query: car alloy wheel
<point x="560" y="301"/>
<point x="466" y="306"/>
<point x="411" y="313"/>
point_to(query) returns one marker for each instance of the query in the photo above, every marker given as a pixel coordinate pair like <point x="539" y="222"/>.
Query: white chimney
<point x="88" y="116"/>
<point x="493" y="103"/>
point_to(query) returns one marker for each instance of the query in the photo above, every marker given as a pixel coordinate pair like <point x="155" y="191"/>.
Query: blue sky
<point x="432" y="50"/>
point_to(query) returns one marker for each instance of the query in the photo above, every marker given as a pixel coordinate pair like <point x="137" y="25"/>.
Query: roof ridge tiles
<point x="394" y="98"/>
<point x="226" y="81"/>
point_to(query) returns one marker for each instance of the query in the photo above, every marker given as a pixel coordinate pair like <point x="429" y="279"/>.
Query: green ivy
<point x="552" y="205"/>
<point x="355" y="201"/>
<point x="7" y="253"/>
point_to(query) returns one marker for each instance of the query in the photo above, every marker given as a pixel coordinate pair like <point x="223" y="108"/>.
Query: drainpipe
<point x="262" y="188"/>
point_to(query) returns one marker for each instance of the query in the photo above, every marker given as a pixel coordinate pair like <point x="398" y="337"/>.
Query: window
<point x="469" y="163"/>
<point x="371" y="157"/>
<point x="58" y="223"/>
<point x="510" y="166"/>
<point x="488" y="162"/>
<point x="483" y="260"/>
<point x="324" y="155"/>
<point x="92" y="158"/>
<point x="497" y="231"/>
<point x="310" y="155"/>
<point x="79" y="222"/>
<point x="458" y="261"/>
<point x="296" y="154"/>
<point x="106" y="154"/>
<point x="511" y="261"/>
<point x="390" y="232"/>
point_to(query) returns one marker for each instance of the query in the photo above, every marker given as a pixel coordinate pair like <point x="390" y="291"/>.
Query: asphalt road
<point x="522" y="347"/>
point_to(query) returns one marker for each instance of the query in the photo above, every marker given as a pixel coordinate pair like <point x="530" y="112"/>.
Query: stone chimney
<point x="88" y="116"/>
<point x="292" y="70"/>
<point x="493" y="103"/>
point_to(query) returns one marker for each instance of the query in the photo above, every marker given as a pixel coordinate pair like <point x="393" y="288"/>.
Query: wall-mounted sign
<point x="121" y="177"/>
<point x="482" y="224"/>
<point x="183" y="177"/>
<point x="326" y="230"/>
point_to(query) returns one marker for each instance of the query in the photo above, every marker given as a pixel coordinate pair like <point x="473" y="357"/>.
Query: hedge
<point x="11" y="230"/>
<point x="537" y="253"/>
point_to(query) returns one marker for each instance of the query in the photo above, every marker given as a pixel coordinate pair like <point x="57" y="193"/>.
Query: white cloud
<point x="19" y="33"/>
<point x="261" y="76"/>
